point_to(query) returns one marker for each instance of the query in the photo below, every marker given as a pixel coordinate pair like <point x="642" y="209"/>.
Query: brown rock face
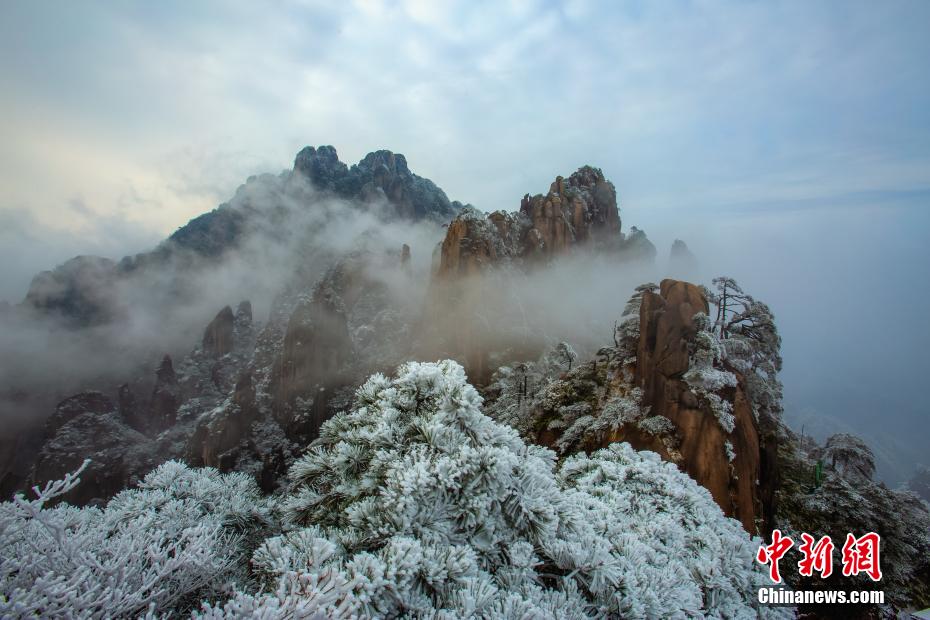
<point x="218" y="337"/>
<point x="575" y="211"/>
<point x="471" y="244"/>
<point x="666" y="327"/>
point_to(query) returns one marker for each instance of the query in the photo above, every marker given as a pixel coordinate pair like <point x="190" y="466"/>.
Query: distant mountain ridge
<point x="76" y="291"/>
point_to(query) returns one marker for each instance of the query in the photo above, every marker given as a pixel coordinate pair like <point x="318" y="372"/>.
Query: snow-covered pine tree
<point x="417" y="504"/>
<point x="745" y="329"/>
<point x="183" y="535"/>
<point x="516" y="389"/>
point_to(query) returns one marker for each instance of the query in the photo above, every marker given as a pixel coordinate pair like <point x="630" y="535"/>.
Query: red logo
<point x="860" y="555"/>
<point x="771" y="554"/>
<point x="817" y="557"/>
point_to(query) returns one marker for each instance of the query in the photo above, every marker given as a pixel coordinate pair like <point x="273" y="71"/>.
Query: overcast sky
<point x="788" y="142"/>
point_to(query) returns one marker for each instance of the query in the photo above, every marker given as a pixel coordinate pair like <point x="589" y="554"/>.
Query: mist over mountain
<point x="97" y="323"/>
<point x="267" y="324"/>
<point x="630" y="322"/>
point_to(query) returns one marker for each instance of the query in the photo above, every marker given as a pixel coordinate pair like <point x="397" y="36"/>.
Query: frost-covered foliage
<point x="657" y="425"/>
<point x="850" y="455"/>
<point x="743" y="338"/>
<point x="559" y="358"/>
<point x="705" y="375"/>
<point x="626" y="334"/>
<point x="581" y="403"/>
<point x="580" y="421"/>
<point x="679" y="552"/>
<point x="636" y="299"/>
<point x="731" y="453"/>
<point x="746" y="330"/>
<point x="415" y="503"/>
<point x="626" y="340"/>
<point x="181" y="536"/>
<point x="518" y="388"/>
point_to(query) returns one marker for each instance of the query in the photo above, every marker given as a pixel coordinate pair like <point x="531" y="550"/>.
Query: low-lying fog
<point x="847" y="283"/>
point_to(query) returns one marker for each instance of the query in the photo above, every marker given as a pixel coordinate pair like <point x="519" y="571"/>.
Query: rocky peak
<point x="381" y="176"/>
<point x="848" y="455"/>
<point x="218" y="336"/>
<point x="680" y="251"/>
<point x="383" y="164"/>
<point x="474" y="241"/>
<point x="244" y="313"/>
<point x="163" y="408"/>
<point x="311" y="363"/>
<point x="320" y="165"/>
<point x="578" y="211"/>
<point x="243" y="326"/>
<point x="129" y="411"/>
<point x="681" y="261"/>
<point x="405" y="257"/>
<point x="85" y="402"/>
<point x="726" y="462"/>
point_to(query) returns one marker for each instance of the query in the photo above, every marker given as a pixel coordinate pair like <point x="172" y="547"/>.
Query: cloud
<point x="704" y="102"/>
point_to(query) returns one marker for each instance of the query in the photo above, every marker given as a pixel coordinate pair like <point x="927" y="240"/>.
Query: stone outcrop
<point x="215" y="442"/>
<point x="467" y="316"/>
<point x="405" y="257"/>
<point x="575" y="210"/>
<point x="163" y="407"/>
<point x="315" y="350"/>
<point x="578" y="211"/>
<point x="666" y="329"/>
<point x="474" y="242"/>
<point x="218" y="336"/>
<point x="243" y="319"/>
<point x="128" y="411"/>
<point x="636" y="392"/>
<point x="321" y="166"/>
<point x="89" y="426"/>
<point x="86" y="402"/>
